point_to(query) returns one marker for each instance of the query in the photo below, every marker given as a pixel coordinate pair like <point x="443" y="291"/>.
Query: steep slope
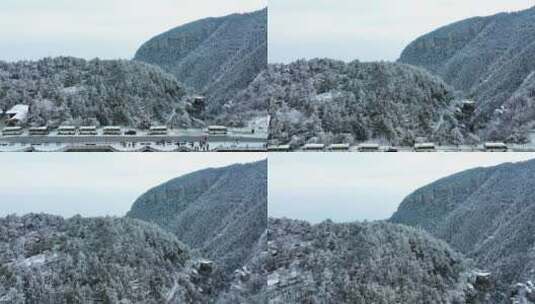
<point x="486" y="213"/>
<point x="222" y="212"/>
<point x="330" y="100"/>
<point x="215" y="56"/>
<point x="363" y="263"/>
<point x="47" y="259"/>
<point x="488" y="58"/>
<point x="102" y="92"/>
<point x="248" y="283"/>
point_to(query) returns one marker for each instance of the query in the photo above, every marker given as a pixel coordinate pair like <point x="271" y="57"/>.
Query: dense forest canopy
<point x="364" y="263"/>
<point x="332" y="101"/>
<point x="200" y="238"/>
<point x="47" y="259"/>
<point x="67" y="90"/>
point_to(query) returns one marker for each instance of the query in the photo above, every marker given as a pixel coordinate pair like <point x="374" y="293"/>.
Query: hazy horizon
<point x="364" y="30"/>
<point x="107" y="29"/>
<point x="347" y="187"/>
<point x="99" y="184"/>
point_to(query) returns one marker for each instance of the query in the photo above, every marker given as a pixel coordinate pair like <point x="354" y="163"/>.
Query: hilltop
<point x="332" y="101"/>
<point x="68" y="90"/>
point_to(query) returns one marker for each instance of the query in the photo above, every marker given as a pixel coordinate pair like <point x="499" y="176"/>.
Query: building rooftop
<point x="18" y="112"/>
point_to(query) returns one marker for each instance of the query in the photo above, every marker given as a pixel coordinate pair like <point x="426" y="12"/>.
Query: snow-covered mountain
<point x="485" y="213"/>
<point x="365" y="263"/>
<point x="212" y="251"/>
<point x="489" y="59"/>
<point x="68" y="90"/>
<point x="332" y="101"/>
<point x="221" y="212"/>
<point x="48" y="260"/>
<point x="217" y="57"/>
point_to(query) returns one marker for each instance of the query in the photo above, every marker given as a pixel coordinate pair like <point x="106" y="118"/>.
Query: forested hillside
<point x="248" y="283"/>
<point x="222" y="212"/>
<point x="67" y="90"/>
<point x="217" y="57"/>
<point x="485" y="213"/>
<point x="489" y="59"/>
<point x="48" y="260"/>
<point x="364" y="263"/>
<point x="331" y="101"/>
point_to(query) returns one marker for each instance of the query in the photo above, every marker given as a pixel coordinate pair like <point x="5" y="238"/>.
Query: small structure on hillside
<point x="483" y="280"/>
<point x="468" y="106"/>
<point x="18" y="114"/>
<point x="199" y="105"/>
<point x="205" y="266"/>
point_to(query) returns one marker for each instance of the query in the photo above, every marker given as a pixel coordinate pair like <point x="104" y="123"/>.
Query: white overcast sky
<point x="347" y="187"/>
<point x="94" y="184"/>
<point x="367" y="30"/>
<point x="109" y="29"/>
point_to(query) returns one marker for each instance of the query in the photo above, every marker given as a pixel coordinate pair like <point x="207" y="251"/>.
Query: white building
<point x="279" y="148"/>
<point x="111" y="130"/>
<point x="368" y="147"/>
<point x="88" y="130"/>
<point x="495" y="147"/>
<point x="158" y="130"/>
<point x="217" y="130"/>
<point x="339" y="147"/>
<point x="314" y="147"/>
<point x="38" y="131"/>
<point x="67" y="130"/>
<point x="425" y="147"/>
<point x="12" y="131"/>
<point x="17" y="114"/>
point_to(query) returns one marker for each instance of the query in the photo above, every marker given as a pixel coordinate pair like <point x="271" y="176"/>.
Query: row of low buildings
<point x="92" y="131"/>
<point x="371" y="147"/>
<point x="18" y="115"/>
